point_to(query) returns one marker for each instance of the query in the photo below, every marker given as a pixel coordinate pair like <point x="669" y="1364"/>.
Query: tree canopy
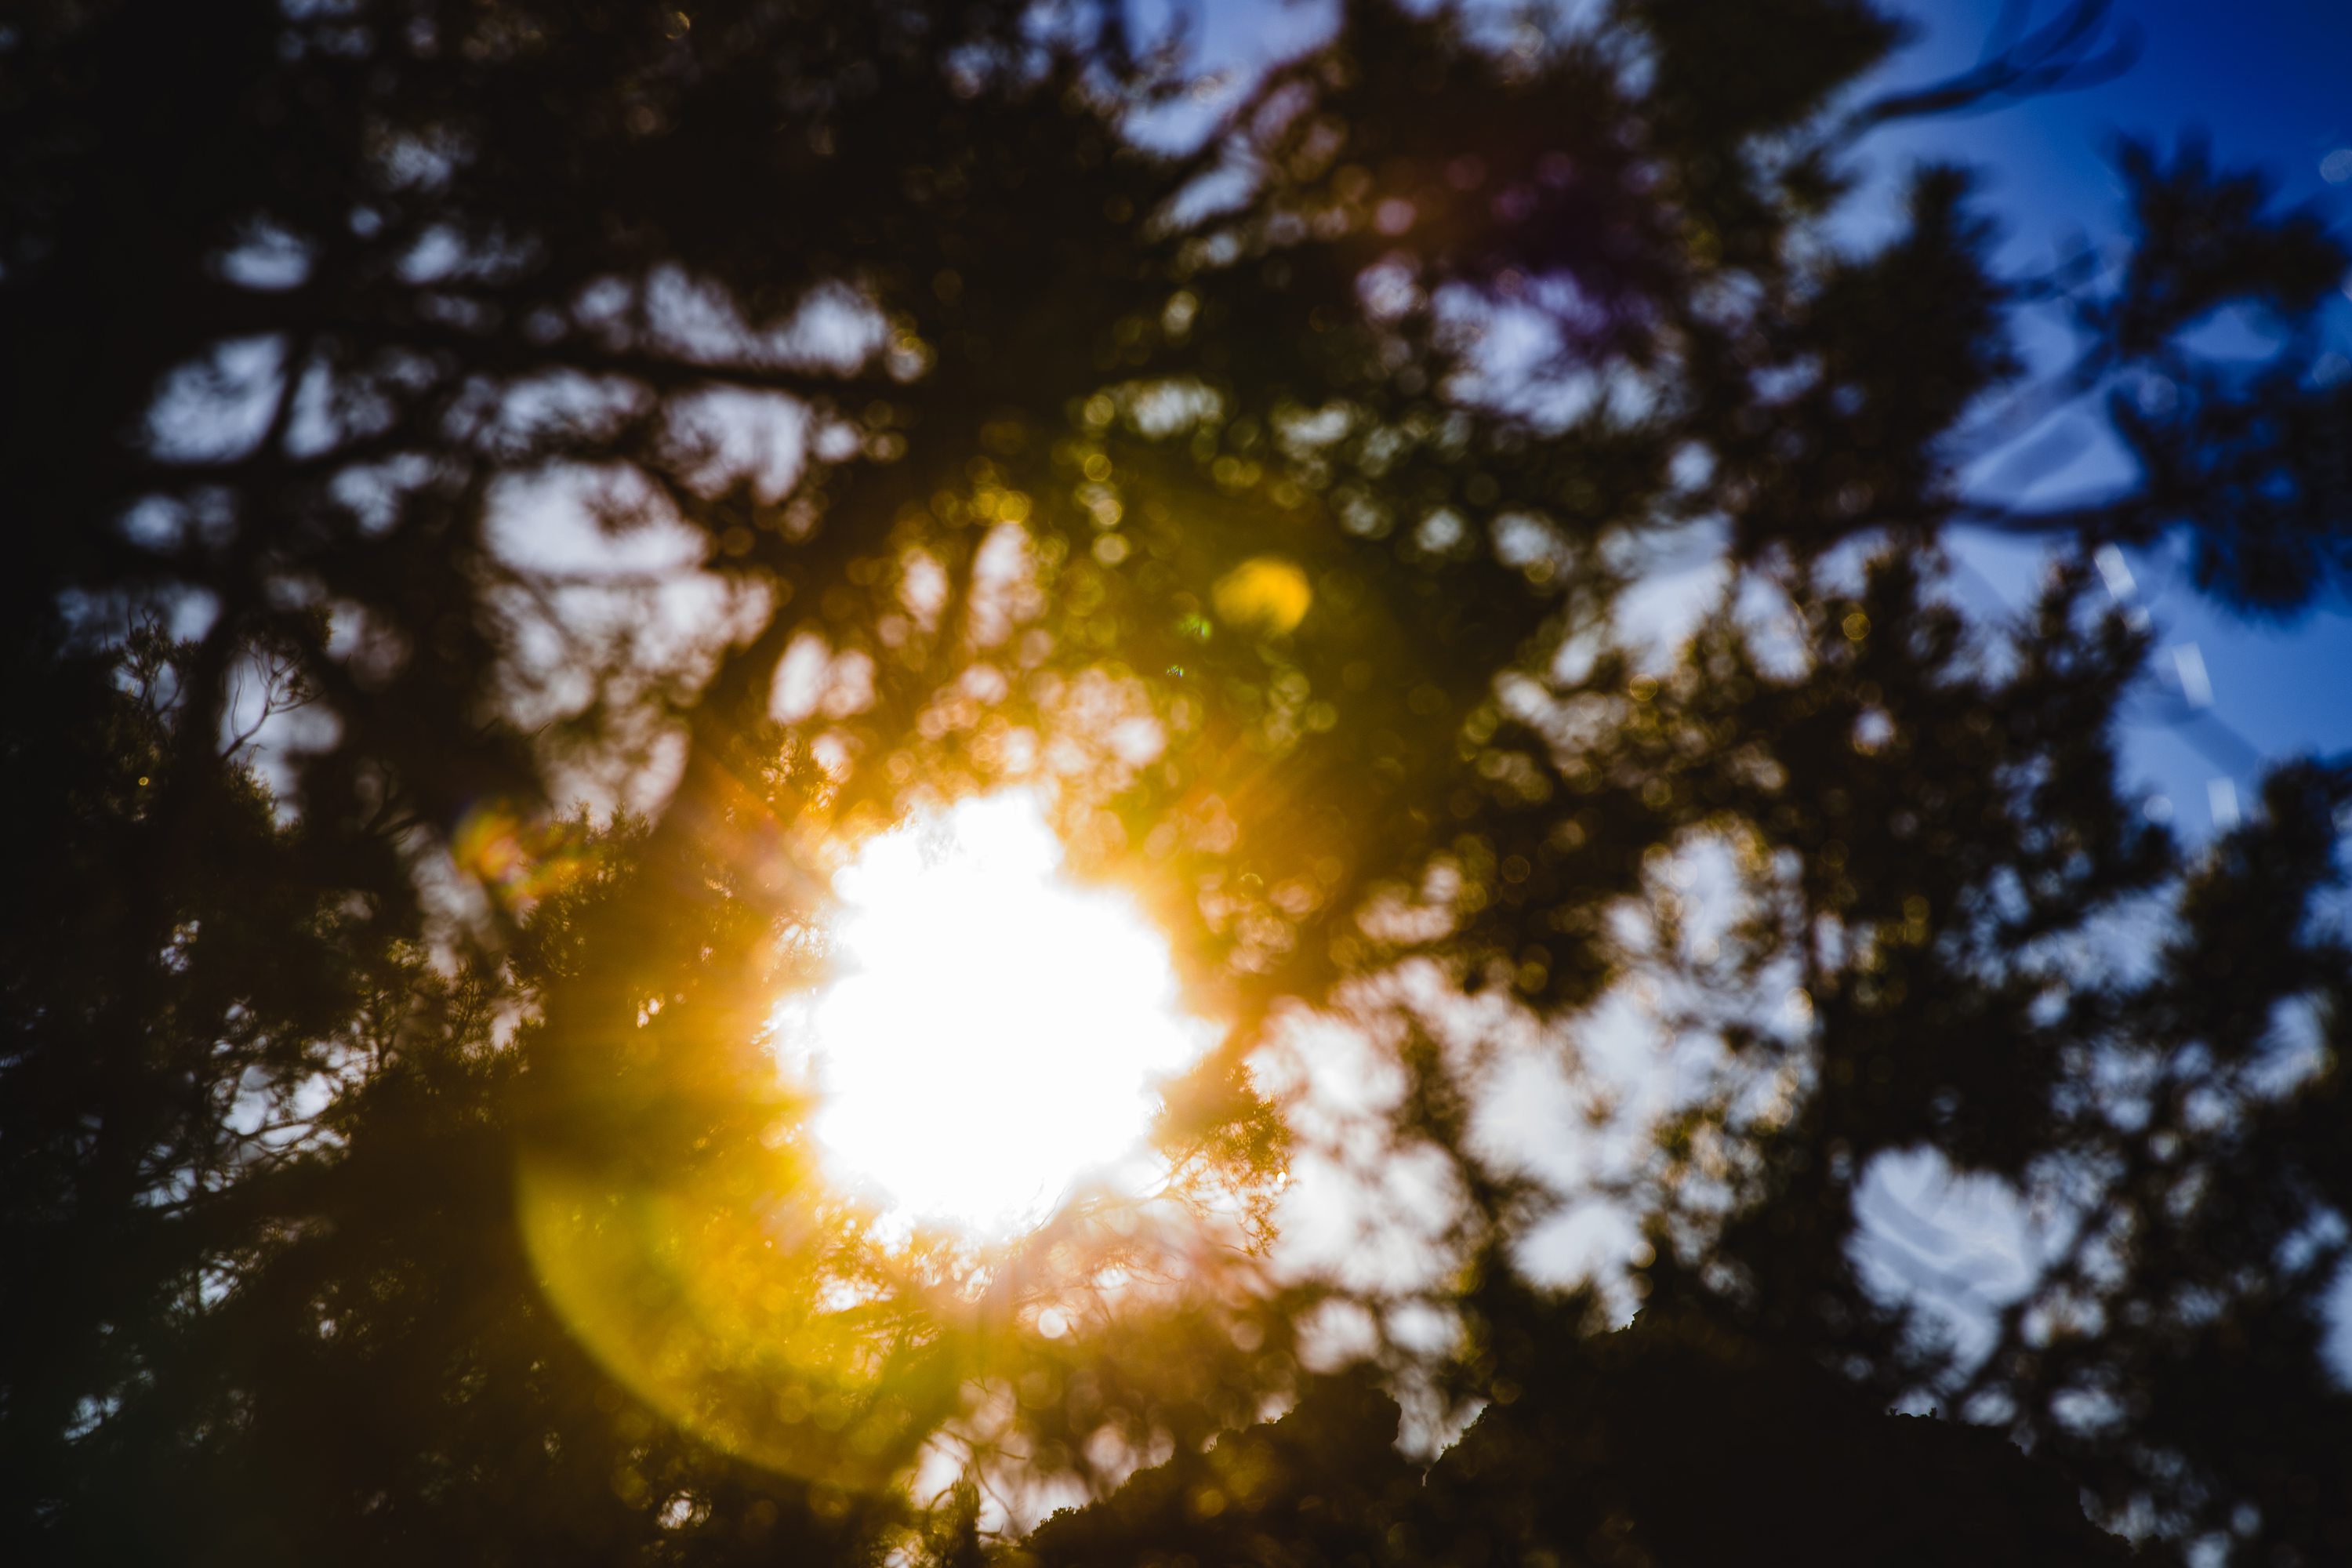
<point x="771" y="420"/>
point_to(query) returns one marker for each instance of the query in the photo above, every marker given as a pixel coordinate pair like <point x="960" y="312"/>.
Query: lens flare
<point x="994" y="1035"/>
<point x="1267" y="594"/>
<point x="749" y="1320"/>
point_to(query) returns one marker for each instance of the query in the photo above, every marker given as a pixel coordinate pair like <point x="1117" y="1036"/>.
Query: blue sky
<point x="2270" y="83"/>
<point x="2271" y="86"/>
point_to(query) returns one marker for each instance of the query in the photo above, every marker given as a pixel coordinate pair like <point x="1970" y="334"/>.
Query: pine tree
<point x="390" y="1157"/>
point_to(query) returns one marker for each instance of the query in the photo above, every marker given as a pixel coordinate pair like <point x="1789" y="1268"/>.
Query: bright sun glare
<point x="995" y="1035"/>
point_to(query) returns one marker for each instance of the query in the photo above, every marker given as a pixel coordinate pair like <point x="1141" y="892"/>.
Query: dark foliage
<point x="392" y="1165"/>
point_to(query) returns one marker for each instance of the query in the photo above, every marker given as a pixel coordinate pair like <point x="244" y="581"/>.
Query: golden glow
<point x="519" y="858"/>
<point x="1267" y="594"/>
<point x="754" y="1323"/>
<point x="995" y="1035"/>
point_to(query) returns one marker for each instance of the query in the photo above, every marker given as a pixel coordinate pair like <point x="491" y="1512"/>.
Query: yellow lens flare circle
<point x="994" y="1037"/>
<point x="766" y="1339"/>
<point x="993" y="1042"/>
<point x="1265" y="593"/>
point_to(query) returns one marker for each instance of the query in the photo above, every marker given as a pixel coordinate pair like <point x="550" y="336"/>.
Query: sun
<point x="994" y="1036"/>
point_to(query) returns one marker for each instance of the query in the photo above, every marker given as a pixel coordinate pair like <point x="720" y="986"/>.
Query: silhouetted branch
<point x="2065" y="55"/>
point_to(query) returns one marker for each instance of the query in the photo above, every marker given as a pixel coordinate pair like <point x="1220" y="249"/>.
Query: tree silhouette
<point x="395" y="1163"/>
